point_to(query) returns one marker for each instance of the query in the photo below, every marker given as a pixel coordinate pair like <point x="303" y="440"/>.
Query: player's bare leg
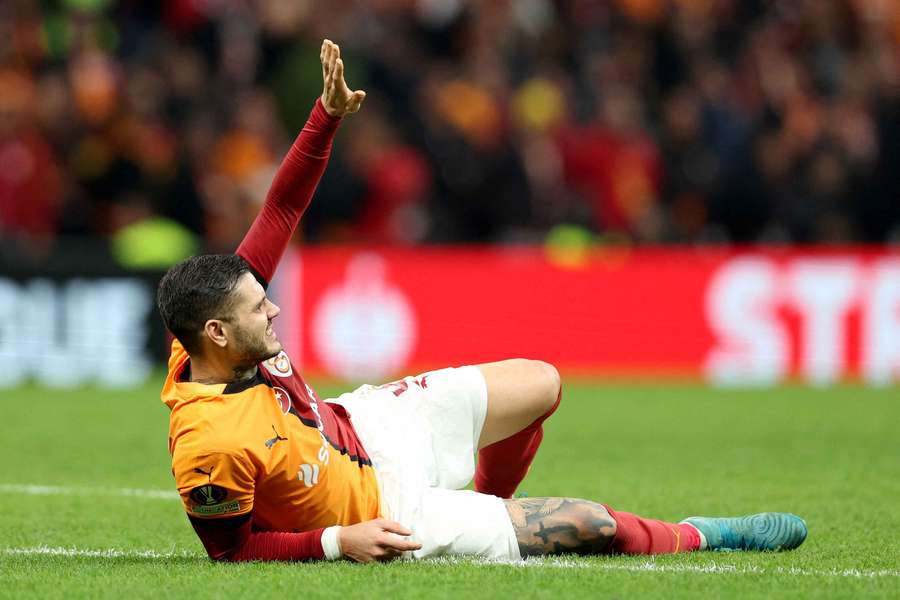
<point x="519" y="391"/>
<point x="561" y="526"/>
<point x="521" y="394"/>
<point x="571" y="526"/>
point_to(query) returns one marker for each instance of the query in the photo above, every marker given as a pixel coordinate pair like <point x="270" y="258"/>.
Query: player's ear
<point x="214" y="329"/>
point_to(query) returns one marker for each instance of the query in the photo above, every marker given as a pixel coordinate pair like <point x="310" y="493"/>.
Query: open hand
<point x="337" y="98"/>
<point x="376" y="540"/>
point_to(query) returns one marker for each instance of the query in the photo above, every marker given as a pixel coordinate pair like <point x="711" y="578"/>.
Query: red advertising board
<point x="730" y="317"/>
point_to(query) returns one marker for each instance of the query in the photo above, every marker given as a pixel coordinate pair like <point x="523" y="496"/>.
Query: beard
<point x="252" y="349"/>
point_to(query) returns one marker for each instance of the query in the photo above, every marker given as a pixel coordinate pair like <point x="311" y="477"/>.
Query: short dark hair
<point x="198" y="289"/>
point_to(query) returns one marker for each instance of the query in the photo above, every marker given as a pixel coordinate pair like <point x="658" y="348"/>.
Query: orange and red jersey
<point x="267" y="445"/>
<point x="263" y="466"/>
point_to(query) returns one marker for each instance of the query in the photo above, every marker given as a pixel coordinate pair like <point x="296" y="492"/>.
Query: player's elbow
<point x="221" y="556"/>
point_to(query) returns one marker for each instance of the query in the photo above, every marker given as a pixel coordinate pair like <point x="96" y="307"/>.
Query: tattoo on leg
<point x="560" y="526"/>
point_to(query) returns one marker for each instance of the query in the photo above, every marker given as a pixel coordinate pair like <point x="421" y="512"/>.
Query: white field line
<point x="650" y="565"/>
<point x="53" y="490"/>
<point x="108" y="553"/>
<point x="546" y="563"/>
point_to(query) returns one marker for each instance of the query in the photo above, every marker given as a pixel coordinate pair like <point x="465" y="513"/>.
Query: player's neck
<point x="211" y="371"/>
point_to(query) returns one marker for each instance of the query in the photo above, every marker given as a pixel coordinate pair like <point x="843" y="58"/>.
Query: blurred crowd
<point x="158" y="126"/>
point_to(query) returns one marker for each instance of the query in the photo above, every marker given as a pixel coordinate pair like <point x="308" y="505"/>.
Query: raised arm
<point x="301" y="170"/>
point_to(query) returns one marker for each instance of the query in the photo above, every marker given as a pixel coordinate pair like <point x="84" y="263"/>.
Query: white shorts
<point x="422" y="435"/>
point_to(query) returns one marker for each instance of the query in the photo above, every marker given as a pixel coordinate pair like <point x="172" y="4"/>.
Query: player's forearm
<point x="233" y="539"/>
<point x="275" y="545"/>
<point x="305" y="162"/>
<point x="290" y="194"/>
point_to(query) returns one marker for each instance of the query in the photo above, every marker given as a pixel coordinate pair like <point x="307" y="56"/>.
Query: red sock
<point x="637" y="535"/>
<point x="503" y="465"/>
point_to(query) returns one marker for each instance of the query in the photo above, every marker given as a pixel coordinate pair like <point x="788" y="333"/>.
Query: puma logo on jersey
<point x="308" y="474"/>
<point x="207" y="473"/>
<point x="272" y="441"/>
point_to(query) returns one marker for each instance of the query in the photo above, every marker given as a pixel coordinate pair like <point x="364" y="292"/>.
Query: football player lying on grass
<point x="267" y="470"/>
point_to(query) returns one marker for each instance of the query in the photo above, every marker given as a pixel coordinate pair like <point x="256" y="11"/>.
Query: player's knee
<point x="597" y="527"/>
<point x="610" y="527"/>
<point x="550" y="383"/>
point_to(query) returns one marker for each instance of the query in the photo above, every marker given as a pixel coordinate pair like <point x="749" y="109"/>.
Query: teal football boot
<point x="765" y="531"/>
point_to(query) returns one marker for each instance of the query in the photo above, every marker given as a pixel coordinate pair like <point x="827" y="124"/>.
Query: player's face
<point x="252" y="338"/>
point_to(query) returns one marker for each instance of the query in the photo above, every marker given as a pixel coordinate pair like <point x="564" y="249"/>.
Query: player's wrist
<point x="331" y="543"/>
<point x="332" y="112"/>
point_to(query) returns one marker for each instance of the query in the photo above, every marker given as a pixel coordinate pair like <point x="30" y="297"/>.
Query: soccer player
<point x="267" y="470"/>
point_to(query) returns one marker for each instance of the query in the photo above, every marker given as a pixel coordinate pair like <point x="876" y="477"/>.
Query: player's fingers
<point x="326" y="56"/>
<point x="357" y="100"/>
<point x="331" y="69"/>
<point x="399" y="544"/>
<point x="393" y="543"/>
<point x="331" y="56"/>
<point x="394" y="527"/>
<point x="353" y="103"/>
<point x="339" y="70"/>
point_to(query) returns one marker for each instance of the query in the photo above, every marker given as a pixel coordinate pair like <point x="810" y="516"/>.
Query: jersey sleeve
<point x="290" y="194"/>
<point x="233" y="539"/>
<point x="215" y="485"/>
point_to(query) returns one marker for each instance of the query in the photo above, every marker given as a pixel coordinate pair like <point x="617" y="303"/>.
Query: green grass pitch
<point x="70" y="529"/>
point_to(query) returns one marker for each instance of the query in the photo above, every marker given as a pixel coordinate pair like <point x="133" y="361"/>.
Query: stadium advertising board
<point x="69" y="331"/>
<point x="728" y="317"/>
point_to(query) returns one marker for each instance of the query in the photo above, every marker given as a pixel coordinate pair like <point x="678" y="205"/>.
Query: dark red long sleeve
<point x="290" y="194"/>
<point x="275" y="545"/>
<point x="235" y="540"/>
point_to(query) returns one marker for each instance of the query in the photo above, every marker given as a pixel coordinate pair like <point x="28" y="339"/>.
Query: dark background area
<point x="148" y="131"/>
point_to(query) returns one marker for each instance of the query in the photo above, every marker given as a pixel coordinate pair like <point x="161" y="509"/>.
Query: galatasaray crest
<point x="280" y="365"/>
